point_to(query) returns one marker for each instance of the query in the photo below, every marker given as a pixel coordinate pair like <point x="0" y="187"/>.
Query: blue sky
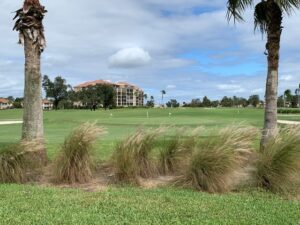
<point x="183" y="46"/>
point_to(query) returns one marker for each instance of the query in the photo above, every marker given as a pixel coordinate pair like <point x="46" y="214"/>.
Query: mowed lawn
<point x="121" y="122"/>
<point x="25" y="204"/>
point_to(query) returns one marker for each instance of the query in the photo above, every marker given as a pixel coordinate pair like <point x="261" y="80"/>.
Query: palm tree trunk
<point x="33" y="112"/>
<point x="273" y="47"/>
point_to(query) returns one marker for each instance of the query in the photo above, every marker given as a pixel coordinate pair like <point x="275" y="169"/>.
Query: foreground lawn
<point x="34" y="205"/>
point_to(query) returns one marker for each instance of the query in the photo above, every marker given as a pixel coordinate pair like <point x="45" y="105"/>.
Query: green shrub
<point x="278" y="166"/>
<point x="74" y="162"/>
<point x="288" y="111"/>
<point x="220" y="163"/>
<point x="131" y="159"/>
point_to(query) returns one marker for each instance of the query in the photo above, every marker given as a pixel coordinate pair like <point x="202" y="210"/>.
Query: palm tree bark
<point x="273" y="46"/>
<point x="33" y="113"/>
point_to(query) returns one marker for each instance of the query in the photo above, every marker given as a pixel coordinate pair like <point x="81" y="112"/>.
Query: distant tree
<point x="280" y="101"/>
<point x="226" y="102"/>
<point x="145" y="97"/>
<point x="297" y="93"/>
<point x="254" y="100"/>
<point x="206" y="102"/>
<point x="196" y="102"/>
<point x="215" y="103"/>
<point x="11" y="98"/>
<point x="287" y="97"/>
<point x="173" y="103"/>
<point x="57" y="89"/>
<point x="98" y="94"/>
<point x="108" y="95"/>
<point x="150" y="103"/>
<point x="163" y="92"/>
<point x="18" y="103"/>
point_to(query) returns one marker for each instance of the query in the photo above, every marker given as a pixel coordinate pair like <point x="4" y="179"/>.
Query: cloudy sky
<point x="183" y="46"/>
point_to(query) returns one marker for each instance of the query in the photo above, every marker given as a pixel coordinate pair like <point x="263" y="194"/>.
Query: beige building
<point x="47" y="105"/>
<point x="5" y="103"/>
<point x="126" y="94"/>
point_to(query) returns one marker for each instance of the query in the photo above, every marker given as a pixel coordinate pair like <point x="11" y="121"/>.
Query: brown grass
<point x="219" y="163"/>
<point x="175" y="151"/>
<point x="17" y="162"/>
<point x="74" y="163"/>
<point x="132" y="158"/>
<point x="278" y="166"/>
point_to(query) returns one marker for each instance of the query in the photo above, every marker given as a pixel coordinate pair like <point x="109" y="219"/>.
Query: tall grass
<point x="74" y="163"/>
<point x="132" y="157"/>
<point x="176" y="150"/>
<point x="12" y="165"/>
<point x="278" y="166"/>
<point x="220" y="162"/>
<point x="17" y="162"/>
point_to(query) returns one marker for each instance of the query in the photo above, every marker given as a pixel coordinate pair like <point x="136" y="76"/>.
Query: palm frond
<point x="260" y="17"/>
<point x="235" y="8"/>
<point x="29" y="23"/>
<point x="288" y="5"/>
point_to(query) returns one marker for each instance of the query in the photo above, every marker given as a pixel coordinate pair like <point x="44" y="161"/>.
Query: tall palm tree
<point x="163" y="92"/>
<point x="29" y="24"/>
<point x="268" y="19"/>
<point x="297" y="93"/>
<point x="287" y="95"/>
<point x="145" y="96"/>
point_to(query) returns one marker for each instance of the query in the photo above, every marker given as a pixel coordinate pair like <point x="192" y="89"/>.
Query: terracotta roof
<point x="92" y="83"/>
<point x="4" y="100"/>
<point x="46" y="101"/>
<point x="127" y="84"/>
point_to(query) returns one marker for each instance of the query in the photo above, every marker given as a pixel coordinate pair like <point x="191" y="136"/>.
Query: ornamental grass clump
<point x="17" y="163"/>
<point x="278" y="165"/>
<point x="220" y="162"/>
<point x="176" y="150"/>
<point x="132" y="157"/>
<point x="12" y="165"/>
<point x="74" y="163"/>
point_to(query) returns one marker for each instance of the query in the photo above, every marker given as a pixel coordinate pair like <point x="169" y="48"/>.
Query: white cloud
<point x="171" y="86"/>
<point x="234" y="88"/>
<point x="286" y="77"/>
<point x="130" y="58"/>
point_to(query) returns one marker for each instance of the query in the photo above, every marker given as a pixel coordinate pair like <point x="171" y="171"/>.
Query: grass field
<point x="120" y="123"/>
<point x="23" y="204"/>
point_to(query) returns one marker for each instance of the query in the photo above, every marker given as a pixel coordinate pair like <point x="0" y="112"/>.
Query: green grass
<point x="21" y="204"/>
<point x="59" y="124"/>
<point x="31" y="205"/>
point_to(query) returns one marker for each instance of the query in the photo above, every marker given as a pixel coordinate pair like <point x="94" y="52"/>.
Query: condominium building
<point x="126" y="94"/>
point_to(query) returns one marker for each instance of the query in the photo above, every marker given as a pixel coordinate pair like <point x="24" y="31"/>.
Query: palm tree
<point x="29" y="24"/>
<point x="287" y="96"/>
<point x="268" y="19"/>
<point x="145" y="96"/>
<point x="163" y="92"/>
<point x="297" y="93"/>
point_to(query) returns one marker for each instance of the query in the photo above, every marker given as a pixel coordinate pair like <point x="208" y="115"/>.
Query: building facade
<point x="126" y="94"/>
<point x="5" y="103"/>
<point x="47" y="104"/>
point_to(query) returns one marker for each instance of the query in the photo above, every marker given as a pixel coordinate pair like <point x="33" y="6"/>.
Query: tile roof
<point x="4" y="100"/>
<point x="93" y="83"/>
